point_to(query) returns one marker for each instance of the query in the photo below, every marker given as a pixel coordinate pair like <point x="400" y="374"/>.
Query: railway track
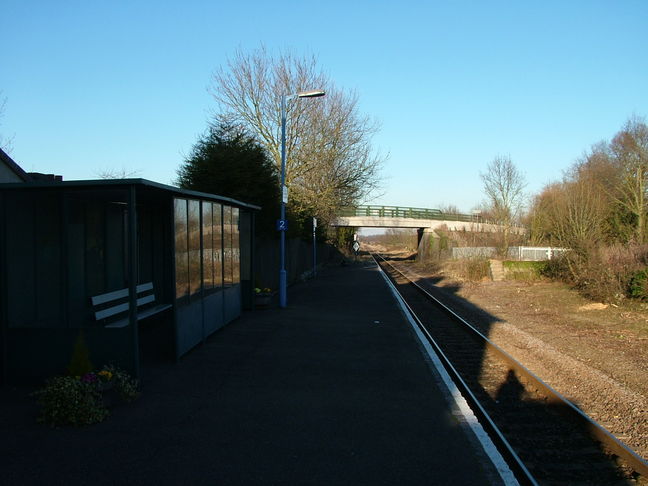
<point x="545" y="439"/>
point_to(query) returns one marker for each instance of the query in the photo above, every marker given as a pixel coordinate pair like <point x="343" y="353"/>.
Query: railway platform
<point x="334" y="389"/>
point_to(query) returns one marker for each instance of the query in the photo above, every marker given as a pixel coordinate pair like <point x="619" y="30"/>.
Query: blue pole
<point x="284" y="192"/>
<point x="282" y="244"/>
<point x="314" y="247"/>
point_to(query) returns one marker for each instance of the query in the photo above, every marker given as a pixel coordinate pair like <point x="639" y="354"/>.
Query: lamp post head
<point x="311" y="94"/>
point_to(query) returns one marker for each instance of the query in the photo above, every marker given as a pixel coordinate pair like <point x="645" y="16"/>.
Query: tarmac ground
<point x="334" y="389"/>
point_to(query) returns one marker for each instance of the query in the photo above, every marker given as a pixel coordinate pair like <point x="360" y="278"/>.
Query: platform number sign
<point x="282" y="225"/>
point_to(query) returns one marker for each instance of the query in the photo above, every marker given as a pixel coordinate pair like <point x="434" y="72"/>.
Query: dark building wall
<point x="8" y="175"/>
<point x="59" y="250"/>
<point x="33" y="261"/>
<point x="61" y="246"/>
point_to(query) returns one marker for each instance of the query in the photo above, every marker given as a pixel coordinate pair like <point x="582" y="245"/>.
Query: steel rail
<point x="598" y="432"/>
<point x="522" y="474"/>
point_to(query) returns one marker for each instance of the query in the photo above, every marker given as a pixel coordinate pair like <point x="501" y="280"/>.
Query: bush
<point x="608" y="274"/>
<point x="474" y="269"/>
<point x="67" y="400"/>
<point x="79" y="400"/>
<point x="526" y="271"/>
<point x="125" y="385"/>
<point x="557" y="269"/>
<point x="638" y="287"/>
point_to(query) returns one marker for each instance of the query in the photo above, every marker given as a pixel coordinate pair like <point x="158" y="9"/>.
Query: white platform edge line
<point x="489" y="448"/>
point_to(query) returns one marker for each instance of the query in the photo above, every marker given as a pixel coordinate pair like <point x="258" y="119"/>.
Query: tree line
<point x="598" y="210"/>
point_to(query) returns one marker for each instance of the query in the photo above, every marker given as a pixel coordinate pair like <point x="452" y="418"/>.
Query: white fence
<point x="522" y="253"/>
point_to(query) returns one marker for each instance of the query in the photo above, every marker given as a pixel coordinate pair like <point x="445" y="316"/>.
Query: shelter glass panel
<point x="217" y="213"/>
<point x="181" y="249"/>
<point x="236" y="247"/>
<point x="227" y="246"/>
<point x="195" y="276"/>
<point x="208" y="246"/>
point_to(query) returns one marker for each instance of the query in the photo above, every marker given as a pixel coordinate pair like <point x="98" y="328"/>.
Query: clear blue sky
<point x="97" y="85"/>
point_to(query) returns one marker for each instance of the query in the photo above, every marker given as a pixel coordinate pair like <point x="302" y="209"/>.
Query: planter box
<point x="262" y="300"/>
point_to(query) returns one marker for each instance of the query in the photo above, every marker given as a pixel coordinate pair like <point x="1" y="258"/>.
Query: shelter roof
<point x="98" y="184"/>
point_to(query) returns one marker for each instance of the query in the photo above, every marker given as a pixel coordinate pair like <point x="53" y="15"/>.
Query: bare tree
<point x="449" y="209"/>
<point x="577" y="214"/>
<point x="122" y="173"/>
<point x="330" y="161"/>
<point x="504" y="187"/>
<point x="630" y="151"/>
<point x="6" y="143"/>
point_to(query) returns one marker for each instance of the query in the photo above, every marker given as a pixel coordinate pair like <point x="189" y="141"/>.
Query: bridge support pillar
<point x="419" y="233"/>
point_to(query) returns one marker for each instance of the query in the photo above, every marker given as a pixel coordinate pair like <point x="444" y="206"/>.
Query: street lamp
<point x="281" y="225"/>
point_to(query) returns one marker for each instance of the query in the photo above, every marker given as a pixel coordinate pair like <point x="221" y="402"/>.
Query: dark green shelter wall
<point x="33" y="260"/>
<point x="36" y="354"/>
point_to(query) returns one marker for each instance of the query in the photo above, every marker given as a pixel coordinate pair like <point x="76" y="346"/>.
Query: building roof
<point x="113" y="183"/>
<point x="15" y="168"/>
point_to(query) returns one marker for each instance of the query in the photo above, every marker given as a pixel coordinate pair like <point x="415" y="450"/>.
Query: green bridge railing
<point x="400" y="212"/>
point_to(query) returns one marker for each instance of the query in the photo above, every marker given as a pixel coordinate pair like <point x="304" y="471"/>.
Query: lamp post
<point x="281" y="225"/>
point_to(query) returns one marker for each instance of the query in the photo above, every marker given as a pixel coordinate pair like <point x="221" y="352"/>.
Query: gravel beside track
<point x="618" y="407"/>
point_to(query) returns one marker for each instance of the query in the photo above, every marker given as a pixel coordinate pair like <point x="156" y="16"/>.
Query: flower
<point x="81" y="400"/>
<point x="105" y="375"/>
<point x="89" y="378"/>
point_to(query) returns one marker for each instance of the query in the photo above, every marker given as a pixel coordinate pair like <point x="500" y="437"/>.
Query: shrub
<point x="125" y="385"/>
<point x="526" y="271"/>
<point x="80" y="363"/>
<point x="604" y="274"/>
<point x="638" y="287"/>
<point x="67" y="400"/>
<point x="79" y="400"/>
<point x="557" y="269"/>
<point x="474" y="269"/>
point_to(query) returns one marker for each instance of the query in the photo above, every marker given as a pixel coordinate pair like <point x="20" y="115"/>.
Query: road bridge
<point x="420" y="218"/>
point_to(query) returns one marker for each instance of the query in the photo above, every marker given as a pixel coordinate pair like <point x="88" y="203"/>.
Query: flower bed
<point x="84" y="400"/>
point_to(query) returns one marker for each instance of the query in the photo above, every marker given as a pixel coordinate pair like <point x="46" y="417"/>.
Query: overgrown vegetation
<point x="639" y="285"/>
<point x="608" y="273"/>
<point x="599" y="210"/>
<point x="79" y="400"/>
<point x="525" y="271"/>
<point x="470" y="269"/>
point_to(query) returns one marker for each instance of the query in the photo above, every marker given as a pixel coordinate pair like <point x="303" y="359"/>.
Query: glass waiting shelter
<point x="122" y="269"/>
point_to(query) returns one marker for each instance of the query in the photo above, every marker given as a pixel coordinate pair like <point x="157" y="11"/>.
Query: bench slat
<point x="120" y="294"/>
<point x="153" y="310"/>
<point x="141" y="315"/>
<point x="111" y="311"/>
<point x="145" y="300"/>
<point x="117" y="295"/>
<point x="122" y="323"/>
<point x="144" y="287"/>
<point x="109" y="297"/>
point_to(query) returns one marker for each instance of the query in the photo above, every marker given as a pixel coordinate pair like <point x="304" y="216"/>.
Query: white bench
<point x="113" y="304"/>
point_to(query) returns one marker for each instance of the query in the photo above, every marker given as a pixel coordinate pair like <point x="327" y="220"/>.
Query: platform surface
<point x="334" y="389"/>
